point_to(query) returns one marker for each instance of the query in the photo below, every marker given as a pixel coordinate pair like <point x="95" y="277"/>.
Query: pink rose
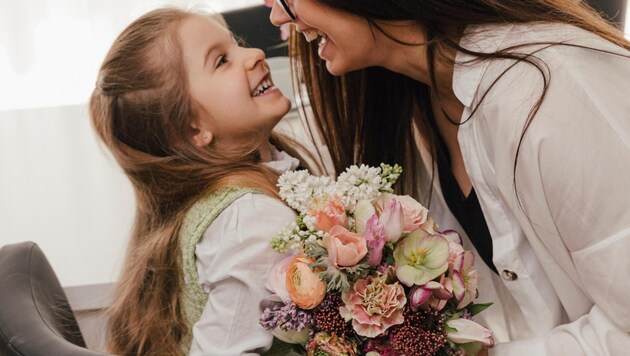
<point x="277" y="280"/>
<point x="373" y="306"/>
<point x="415" y="216"/>
<point x="331" y="213"/>
<point x="344" y="248"/>
<point x="304" y="286"/>
<point x="393" y="220"/>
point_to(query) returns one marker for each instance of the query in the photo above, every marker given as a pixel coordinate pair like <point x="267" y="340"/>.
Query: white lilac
<point x="389" y="175"/>
<point x="358" y="183"/>
<point x="287" y="238"/>
<point x="296" y="189"/>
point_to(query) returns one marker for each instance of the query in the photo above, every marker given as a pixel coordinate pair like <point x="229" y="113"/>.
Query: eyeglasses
<point x="286" y="8"/>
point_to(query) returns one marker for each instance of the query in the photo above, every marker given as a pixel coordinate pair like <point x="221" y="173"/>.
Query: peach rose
<point x="330" y="213"/>
<point x="304" y="286"/>
<point x="345" y="248"/>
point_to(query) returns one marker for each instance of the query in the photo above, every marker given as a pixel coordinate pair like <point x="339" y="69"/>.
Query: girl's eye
<point x="222" y="60"/>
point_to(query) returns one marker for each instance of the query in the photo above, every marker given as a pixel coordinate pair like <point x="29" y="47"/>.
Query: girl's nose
<point x="253" y="57"/>
<point x="278" y="16"/>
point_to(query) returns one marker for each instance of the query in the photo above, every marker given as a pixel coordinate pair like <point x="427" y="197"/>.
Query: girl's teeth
<point x="266" y="84"/>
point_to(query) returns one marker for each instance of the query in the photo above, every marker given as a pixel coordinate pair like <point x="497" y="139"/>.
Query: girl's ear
<point x="201" y="136"/>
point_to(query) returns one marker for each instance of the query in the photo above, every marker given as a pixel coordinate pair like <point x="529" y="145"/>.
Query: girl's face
<point x="345" y="41"/>
<point x="231" y="83"/>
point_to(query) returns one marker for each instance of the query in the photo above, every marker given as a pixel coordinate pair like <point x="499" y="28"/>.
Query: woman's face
<point x="345" y="41"/>
<point x="231" y="83"/>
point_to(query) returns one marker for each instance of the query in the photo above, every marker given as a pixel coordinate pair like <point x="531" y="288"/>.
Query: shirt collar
<point x="281" y="161"/>
<point x="467" y="75"/>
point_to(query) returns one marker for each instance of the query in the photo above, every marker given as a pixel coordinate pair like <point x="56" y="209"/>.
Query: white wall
<point x="59" y="189"/>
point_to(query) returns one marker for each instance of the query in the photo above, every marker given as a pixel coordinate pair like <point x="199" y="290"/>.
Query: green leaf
<point x="475" y="309"/>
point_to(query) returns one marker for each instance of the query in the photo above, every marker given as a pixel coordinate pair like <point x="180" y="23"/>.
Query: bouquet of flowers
<point x="369" y="272"/>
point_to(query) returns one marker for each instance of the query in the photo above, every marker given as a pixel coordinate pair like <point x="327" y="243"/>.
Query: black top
<point x="466" y="209"/>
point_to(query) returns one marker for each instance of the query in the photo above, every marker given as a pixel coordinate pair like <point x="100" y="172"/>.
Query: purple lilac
<point x="286" y="317"/>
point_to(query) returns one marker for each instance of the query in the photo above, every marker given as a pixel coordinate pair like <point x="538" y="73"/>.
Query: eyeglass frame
<point x="286" y="9"/>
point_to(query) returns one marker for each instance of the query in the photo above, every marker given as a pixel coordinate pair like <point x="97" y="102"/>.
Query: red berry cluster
<point x="328" y="319"/>
<point x="421" y="334"/>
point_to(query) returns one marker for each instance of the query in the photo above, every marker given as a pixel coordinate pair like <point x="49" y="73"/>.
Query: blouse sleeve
<point x="572" y="186"/>
<point x="233" y="261"/>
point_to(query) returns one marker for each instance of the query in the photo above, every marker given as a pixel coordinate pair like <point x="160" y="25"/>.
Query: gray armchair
<point x="35" y="317"/>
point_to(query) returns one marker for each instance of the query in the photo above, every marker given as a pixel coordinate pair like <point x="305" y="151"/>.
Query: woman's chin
<point x="334" y="69"/>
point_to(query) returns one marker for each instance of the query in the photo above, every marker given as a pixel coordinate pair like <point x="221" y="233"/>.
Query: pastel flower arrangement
<point x="368" y="272"/>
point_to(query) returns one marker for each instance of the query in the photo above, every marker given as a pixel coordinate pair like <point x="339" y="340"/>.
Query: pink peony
<point x="304" y="286"/>
<point x="329" y="213"/>
<point x="345" y="248"/>
<point x="373" y="306"/>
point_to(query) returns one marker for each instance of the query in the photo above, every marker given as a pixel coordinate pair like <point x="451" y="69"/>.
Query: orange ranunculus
<point x="305" y="287"/>
<point x="345" y="248"/>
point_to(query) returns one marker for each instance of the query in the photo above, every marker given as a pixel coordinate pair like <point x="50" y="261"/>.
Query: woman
<point x="520" y="107"/>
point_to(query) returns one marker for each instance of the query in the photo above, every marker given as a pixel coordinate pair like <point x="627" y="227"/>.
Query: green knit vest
<point x="197" y="220"/>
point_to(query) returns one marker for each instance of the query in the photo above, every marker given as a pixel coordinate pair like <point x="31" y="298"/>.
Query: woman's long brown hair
<point x="368" y="115"/>
<point x="143" y="113"/>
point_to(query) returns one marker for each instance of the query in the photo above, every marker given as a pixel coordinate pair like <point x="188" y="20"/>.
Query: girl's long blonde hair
<point x="143" y="113"/>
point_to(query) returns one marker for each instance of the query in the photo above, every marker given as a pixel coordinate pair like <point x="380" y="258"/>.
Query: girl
<point x="188" y="114"/>
<point x="521" y="108"/>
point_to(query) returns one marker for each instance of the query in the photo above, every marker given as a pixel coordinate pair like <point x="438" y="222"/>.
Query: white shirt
<point x="234" y="257"/>
<point x="566" y="237"/>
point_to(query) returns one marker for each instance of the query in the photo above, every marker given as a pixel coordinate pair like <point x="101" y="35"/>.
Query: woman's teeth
<point x="262" y="87"/>
<point x="311" y="35"/>
<point x="322" y="41"/>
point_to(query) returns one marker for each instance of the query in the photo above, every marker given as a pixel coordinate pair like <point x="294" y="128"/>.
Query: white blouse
<point x="562" y="245"/>
<point x="234" y="257"/>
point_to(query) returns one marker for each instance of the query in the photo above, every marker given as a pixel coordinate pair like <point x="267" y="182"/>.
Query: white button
<point x="508" y="275"/>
